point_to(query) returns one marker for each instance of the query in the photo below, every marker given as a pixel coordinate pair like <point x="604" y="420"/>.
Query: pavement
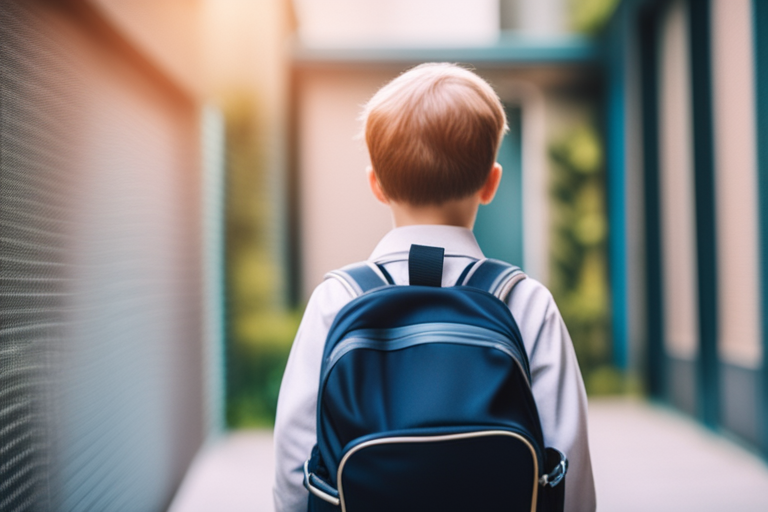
<point x="231" y="474"/>
<point x="645" y="457"/>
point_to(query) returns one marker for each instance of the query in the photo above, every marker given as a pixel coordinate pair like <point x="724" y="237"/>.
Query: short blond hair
<point x="433" y="134"/>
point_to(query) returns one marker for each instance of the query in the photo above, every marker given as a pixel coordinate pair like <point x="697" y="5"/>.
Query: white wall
<point x="425" y="22"/>
<point x="678" y="222"/>
<point x="736" y="182"/>
<point x="542" y="18"/>
<point x="398" y="22"/>
<point x="168" y="32"/>
<point x="341" y="222"/>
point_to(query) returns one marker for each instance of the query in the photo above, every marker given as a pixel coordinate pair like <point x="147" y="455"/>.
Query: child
<point x="432" y="135"/>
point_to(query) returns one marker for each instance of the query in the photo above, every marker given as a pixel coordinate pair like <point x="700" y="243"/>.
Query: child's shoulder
<point x="533" y="301"/>
<point x="532" y="289"/>
<point x="329" y="296"/>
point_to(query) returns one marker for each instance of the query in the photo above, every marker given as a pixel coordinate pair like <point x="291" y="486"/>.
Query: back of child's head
<point x="433" y="133"/>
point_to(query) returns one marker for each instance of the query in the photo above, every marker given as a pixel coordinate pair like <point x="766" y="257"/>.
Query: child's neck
<point x="460" y="212"/>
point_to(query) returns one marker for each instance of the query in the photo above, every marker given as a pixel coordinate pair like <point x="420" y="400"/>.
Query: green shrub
<point x="590" y="16"/>
<point x="255" y="368"/>
<point x="579" y="276"/>
<point x="259" y="329"/>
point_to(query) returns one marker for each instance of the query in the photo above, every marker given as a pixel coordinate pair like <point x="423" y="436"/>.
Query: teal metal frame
<point x="708" y="384"/>
<point x="616" y="133"/>
<point x="499" y="226"/>
<point x="760" y="28"/>
<point x="655" y="359"/>
<point x="507" y="51"/>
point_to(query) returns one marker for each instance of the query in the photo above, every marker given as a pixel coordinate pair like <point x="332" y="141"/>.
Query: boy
<point x="432" y="135"/>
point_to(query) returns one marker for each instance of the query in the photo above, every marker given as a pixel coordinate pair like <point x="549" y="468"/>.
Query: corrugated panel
<point x="101" y="393"/>
<point x="33" y="230"/>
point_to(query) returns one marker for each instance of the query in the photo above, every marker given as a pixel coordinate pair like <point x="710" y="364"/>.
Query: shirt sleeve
<point x="557" y="387"/>
<point x="295" y="422"/>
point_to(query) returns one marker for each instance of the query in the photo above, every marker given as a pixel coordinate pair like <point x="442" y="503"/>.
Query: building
<point x="687" y="113"/>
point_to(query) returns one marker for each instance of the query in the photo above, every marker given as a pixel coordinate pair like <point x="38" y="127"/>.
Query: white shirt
<point x="556" y="380"/>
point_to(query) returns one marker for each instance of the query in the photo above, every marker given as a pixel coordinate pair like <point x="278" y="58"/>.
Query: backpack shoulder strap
<point x="493" y="276"/>
<point x="361" y="277"/>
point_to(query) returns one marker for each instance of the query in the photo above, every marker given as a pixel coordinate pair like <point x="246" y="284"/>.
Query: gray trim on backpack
<point x="506" y="287"/>
<point x="502" y="282"/>
<point x="359" y="278"/>
<point x="364" y="276"/>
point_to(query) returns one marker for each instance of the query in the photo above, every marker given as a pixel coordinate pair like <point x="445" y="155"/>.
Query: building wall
<point x="398" y="22"/>
<point x="432" y="23"/>
<point x="166" y="32"/>
<point x="340" y="220"/>
<point x="739" y="337"/>
<point x="101" y="347"/>
<point x="677" y="208"/>
<point x="708" y="324"/>
<point x="736" y="182"/>
<point x="677" y="199"/>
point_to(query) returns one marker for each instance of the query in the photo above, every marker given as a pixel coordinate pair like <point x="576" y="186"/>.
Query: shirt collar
<point x="455" y="240"/>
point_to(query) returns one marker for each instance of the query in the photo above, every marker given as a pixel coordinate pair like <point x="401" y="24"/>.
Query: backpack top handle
<point x="425" y="266"/>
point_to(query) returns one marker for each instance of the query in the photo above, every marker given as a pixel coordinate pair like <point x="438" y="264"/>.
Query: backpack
<point x="425" y="400"/>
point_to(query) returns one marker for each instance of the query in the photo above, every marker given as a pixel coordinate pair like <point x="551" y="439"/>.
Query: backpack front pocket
<point x="484" y="470"/>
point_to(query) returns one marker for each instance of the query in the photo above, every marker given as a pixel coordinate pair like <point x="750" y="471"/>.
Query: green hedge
<point x="255" y="365"/>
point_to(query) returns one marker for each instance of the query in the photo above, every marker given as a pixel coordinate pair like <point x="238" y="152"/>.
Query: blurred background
<point x="176" y="176"/>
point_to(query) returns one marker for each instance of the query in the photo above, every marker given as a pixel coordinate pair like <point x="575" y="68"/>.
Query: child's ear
<point x="375" y="187"/>
<point x="491" y="184"/>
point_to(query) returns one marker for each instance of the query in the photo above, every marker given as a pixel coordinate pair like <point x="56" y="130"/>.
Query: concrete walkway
<point x="645" y="458"/>
<point x="232" y="475"/>
<point x="648" y="458"/>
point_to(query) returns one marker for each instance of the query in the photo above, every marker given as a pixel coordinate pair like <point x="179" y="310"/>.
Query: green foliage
<point x="252" y="283"/>
<point x="579" y="235"/>
<point x="253" y="400"/>
<point x="607" y="380"/>
<point x="256" y="365"/>
<point x="260" y="331"/>
<point x="590" y="16"/>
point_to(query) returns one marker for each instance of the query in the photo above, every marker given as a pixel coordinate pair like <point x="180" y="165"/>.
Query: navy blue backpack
<point x="425" y="400"/>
